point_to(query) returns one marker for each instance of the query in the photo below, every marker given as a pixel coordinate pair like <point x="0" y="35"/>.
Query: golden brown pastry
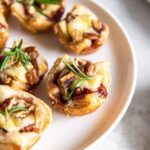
<point x="78" y="87"/>
<point x="5" y="6"/>
<point x="38" y="16"/>
<point x="24" y="68"/>
<point x="81" y="32"/>
<point x="3" y="31"/>
<point x="23" y="118"/>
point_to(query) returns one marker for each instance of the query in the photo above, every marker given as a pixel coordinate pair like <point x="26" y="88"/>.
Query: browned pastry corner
<point x="5" y="6"/>
<point x="87" y="95"/>
<point x="34" y="21"/>
<point x="3" y="31"/>
<point x="81" y="32"/>
<point x="27" y="118"/>
<point x="15" y="75"/>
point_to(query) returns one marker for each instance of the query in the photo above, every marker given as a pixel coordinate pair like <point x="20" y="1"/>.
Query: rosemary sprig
<point x="32" y="2"/>
<point x="7" y="113"/>
<point x="78" y="72"/>
<point x="76" y="67"/>
<point x="20" y="56"/>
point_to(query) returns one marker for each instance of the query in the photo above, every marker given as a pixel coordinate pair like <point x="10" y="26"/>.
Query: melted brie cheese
<point x="15" y="124"/>
<point x="80" y="23"/>
<point x="18" y="72"/>
<point x="48" y="11"/>
<point x="91" y="84"/>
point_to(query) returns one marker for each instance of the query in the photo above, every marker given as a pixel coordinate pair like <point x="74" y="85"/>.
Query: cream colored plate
<point x="79" y="132"/>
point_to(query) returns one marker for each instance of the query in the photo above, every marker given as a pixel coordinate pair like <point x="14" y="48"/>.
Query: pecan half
<point x="33" y="77"/>
<point x="91" y="36"/>
<point x="58" y="14"/>
<point x="65" y="80"/>
<point x="29" y="128"/>
<point x="5" y="104"/>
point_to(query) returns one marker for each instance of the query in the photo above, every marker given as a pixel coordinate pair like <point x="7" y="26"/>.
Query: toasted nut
<point x="29" y="128"/>
<point x="66" y="79"/>
<point x="96" y="25"/>
<point x="89" y="69"/>
<point x="91" y="36"/>
<point x="33" y="76"/>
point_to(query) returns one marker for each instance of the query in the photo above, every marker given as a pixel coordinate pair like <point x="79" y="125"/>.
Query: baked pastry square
<point x="81" y="32"/>
<point x="22" y="70"/>
<point x="78" y="87"/>
<point x="38" y="16"/>
<point x="23" y="118"/>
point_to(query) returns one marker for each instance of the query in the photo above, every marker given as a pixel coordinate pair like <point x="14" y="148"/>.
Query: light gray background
<point x="133" y="132"/>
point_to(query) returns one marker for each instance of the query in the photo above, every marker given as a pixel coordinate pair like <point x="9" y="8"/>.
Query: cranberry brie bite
<point x="22" y="67"/>
<point x="78" y="87"/>
<point x="3" y="31"/>
<point x="23" y="118"/>
<point x="5" y="6"/>
<point x="81" y="32"/>
<point x="38" y="15"/>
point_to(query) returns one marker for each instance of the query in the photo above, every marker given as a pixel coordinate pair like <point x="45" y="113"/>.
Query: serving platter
<point x="85" y="132"/>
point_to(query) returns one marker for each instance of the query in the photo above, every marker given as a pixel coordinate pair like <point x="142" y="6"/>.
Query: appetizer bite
<point x="38" y="15"/>
<point x="22" y="67"/>
<point x="78" y="87"/>
<point x="23" y="118"/>
<point x="81" y="32"/>
<point x="5" y="6"/>
<point x="3" y="31"/>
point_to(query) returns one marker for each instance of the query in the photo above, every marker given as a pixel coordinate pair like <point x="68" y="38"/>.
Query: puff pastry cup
<point x="15" y="75"/>
<point x="81" y="32"/>
<point x="34" y="21"/>
<point x="73" y="94"/>
<point x="23" y="118"/>
<point x="3" y="31"/>
<point x="5" y="6"/>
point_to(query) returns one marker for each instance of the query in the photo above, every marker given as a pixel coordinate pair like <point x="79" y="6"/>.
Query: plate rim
<point x="92" y="144"/>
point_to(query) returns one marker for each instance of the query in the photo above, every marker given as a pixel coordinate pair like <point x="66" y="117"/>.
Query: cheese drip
<point x="91" y="84"/>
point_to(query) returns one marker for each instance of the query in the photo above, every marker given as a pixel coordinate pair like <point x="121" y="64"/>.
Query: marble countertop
<point x="133" y="132"/>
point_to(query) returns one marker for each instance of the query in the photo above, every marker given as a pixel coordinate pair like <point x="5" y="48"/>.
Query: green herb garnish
<point x="7" y="113"/>
<point x="55" y="2"/>
<point x="76" y="85"/>
<point x="33" y="3"/>
<point x="78" y="72"/>
<point x="20" y="56"/>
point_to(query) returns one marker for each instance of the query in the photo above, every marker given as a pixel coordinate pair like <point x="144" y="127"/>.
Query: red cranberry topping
<point x="87" y="91"/>
<point x="78" y="91"/>
<point x="79" y="97"/>
<point x="102" y="90"/>
<point x="2" y="26"/>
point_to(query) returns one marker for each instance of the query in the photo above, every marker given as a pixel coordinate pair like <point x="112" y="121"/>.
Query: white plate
<point x="79" y="132"/>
